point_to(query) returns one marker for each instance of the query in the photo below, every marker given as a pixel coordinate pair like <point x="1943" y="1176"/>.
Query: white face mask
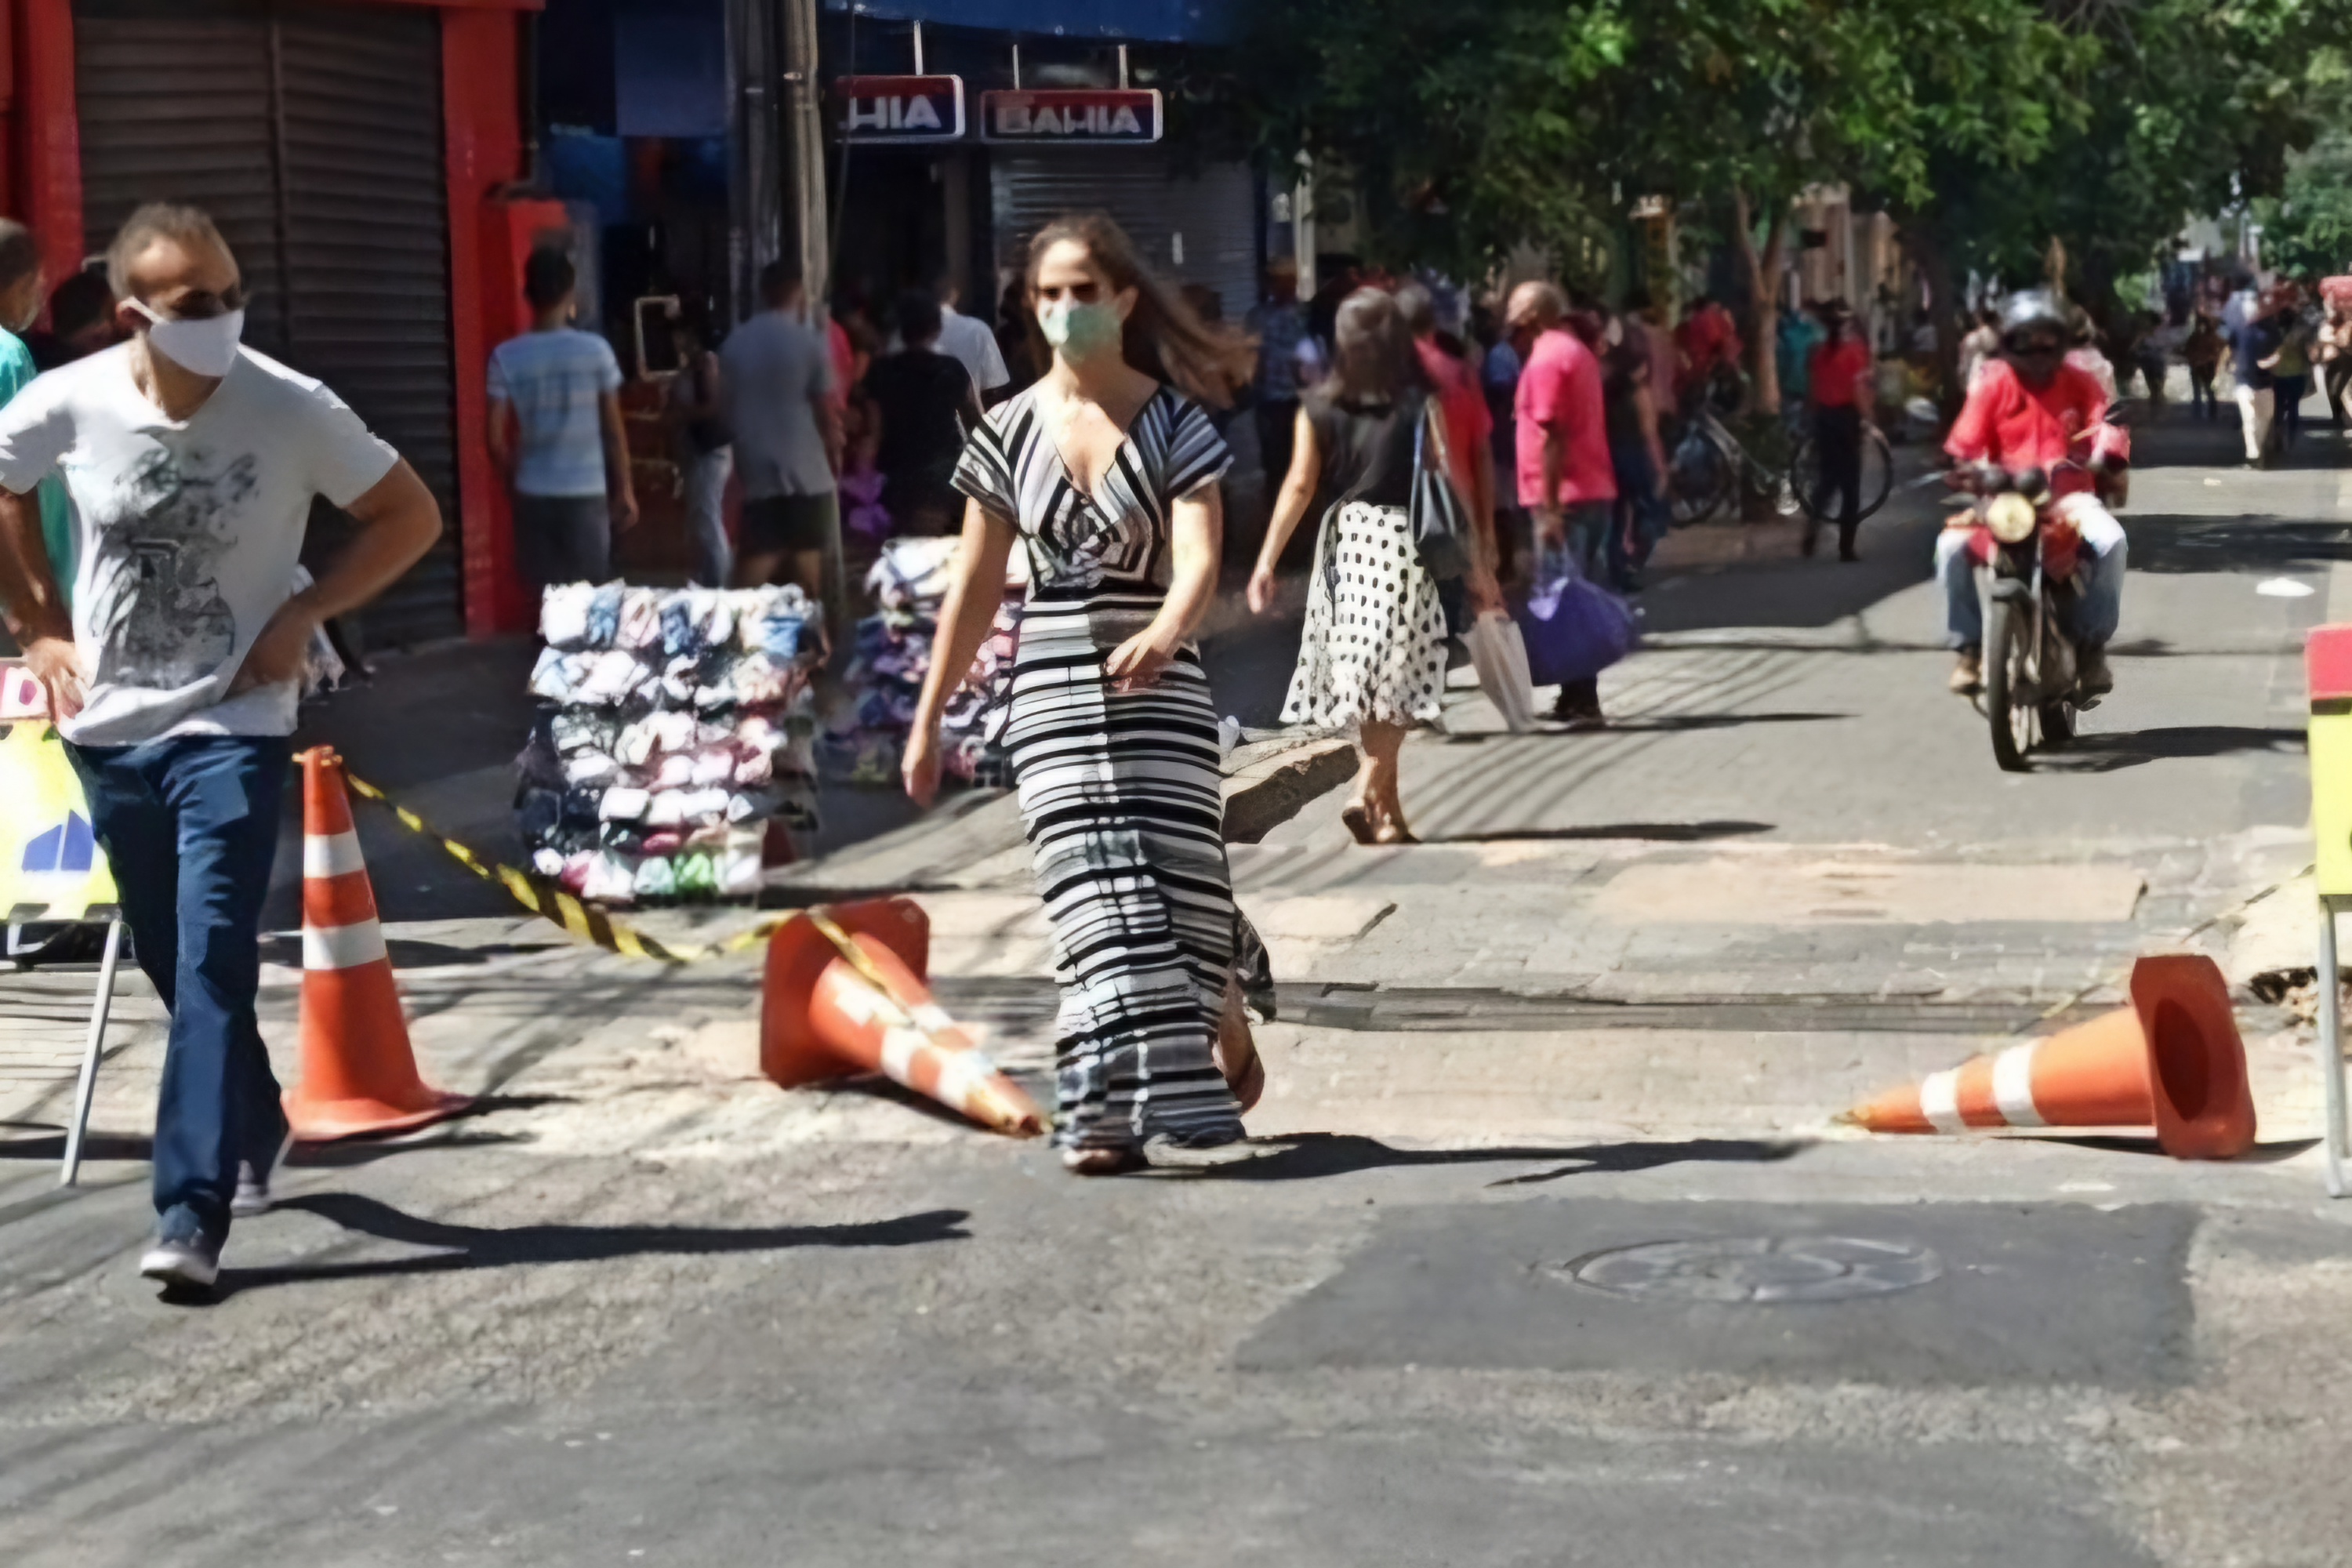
<point x="206" y="347"/>
<point x="1080" y="329"/>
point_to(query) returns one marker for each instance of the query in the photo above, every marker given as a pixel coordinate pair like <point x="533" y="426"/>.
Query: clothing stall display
<point x="675" y="727"/>
<point x="891" y="656"/>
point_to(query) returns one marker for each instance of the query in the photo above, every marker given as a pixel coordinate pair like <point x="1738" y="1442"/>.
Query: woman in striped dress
<point x="1108" y="476"/>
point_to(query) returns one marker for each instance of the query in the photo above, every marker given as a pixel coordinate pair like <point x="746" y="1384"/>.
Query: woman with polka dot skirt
<point x="1372" y="658"/>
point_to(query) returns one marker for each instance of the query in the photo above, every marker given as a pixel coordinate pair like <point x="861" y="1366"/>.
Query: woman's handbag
<point x="1441" y="530"/>
<point x="1574" y="628"/>
<point x="1501" y="656"/>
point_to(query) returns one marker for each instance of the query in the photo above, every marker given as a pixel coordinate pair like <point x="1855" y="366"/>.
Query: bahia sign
<point x="900" y="108"/>
<point x="1089" y="115"/>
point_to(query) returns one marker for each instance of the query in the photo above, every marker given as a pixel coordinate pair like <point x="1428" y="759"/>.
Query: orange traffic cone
<point x="2172" y="1059"/>
<point x="851" y="998"/>
<point x="357" y="1072"/>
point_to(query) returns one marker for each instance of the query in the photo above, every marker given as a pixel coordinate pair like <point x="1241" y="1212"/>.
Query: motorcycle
<point x="2026" y="553"/>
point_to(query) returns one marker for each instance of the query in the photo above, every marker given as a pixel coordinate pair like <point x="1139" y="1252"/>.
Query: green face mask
<point x="1080" y="330"/>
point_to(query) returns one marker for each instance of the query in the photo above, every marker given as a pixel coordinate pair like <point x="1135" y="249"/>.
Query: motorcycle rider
<point x="2030" y="409"/>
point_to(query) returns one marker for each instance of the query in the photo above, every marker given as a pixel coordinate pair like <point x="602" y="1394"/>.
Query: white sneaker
<point x="253" y="1186"/>
<point x="191" y="1261"/>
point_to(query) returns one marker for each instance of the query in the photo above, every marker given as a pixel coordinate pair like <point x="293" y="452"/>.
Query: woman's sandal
<point x="1102" y="1162"/>
<point x="1356" y="816"/>
<point x="1393" y="830"/>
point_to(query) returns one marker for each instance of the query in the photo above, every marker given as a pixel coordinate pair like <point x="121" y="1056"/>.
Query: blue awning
<point x="1161" y="21"/>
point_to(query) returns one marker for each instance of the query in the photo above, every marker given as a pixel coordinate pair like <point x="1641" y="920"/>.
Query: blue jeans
<point x="2098" y="607"/>
<point x="1586" y="525"/>
<point x="190" y="827"/>
<point x="1640" y="517"/>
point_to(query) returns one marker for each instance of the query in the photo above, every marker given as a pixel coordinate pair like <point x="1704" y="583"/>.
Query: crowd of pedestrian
<point x="1425" y="453"/>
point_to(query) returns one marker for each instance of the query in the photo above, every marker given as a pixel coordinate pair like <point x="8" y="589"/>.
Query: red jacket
<point x="2014" y="428"/>
<point x="1708" y="337"/>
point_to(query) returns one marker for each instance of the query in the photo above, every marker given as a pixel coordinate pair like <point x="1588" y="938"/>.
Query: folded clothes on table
<point x="564" y="614"/>
<point x="625" y="803"/>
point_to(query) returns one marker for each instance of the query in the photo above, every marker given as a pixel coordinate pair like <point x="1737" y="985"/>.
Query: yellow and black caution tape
<point x="592" y="923"/>
<point x="587" y="921"/>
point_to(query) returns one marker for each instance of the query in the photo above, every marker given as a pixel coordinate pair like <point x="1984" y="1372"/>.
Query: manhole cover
<point x="1757" y="1268"/>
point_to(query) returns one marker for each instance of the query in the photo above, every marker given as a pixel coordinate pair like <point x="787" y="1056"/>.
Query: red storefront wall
<point x="40" y="182"/>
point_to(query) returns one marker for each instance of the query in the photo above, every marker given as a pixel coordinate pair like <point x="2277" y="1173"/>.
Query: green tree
<point x="2171" y="108"/>
<point x="1473" y="128"/>
<point x="2307" y="227"/>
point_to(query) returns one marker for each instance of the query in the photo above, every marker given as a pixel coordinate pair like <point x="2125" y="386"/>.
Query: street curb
<point x="1265" y="784"/>
<point x="1266" y="791"/>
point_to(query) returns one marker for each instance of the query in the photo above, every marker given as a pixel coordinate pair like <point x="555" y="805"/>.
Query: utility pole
<point x="802" y="124"/>
<point x="753" y="179"/>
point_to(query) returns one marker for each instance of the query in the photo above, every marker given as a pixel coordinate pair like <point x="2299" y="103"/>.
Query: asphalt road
<point x="1547" y="1253"/>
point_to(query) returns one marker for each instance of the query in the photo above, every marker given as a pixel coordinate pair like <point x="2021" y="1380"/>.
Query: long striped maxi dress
<point x="1119" y="790"/>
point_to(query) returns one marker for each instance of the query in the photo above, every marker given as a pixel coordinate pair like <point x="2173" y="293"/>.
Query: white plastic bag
<point x="1501" y="656"/>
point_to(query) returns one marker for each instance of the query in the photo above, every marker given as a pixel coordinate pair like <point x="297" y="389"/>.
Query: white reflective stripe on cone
<point x="1939" y="1101"/>
<point x="331" y="854"/>
<point x="899" y="1050"/>
<point x="2013" y="1085"/>
<point x="859" y="1002"/>
<point x="341" y="947"/>
<point x="963" y="1072"/>
<point x="931" y="1016"/>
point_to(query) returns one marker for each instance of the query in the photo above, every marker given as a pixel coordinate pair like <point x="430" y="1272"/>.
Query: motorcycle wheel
<point x="2057" y="723"/>
<point x="2011" y="722"/>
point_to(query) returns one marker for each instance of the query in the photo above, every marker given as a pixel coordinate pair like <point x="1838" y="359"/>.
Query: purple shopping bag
<point x="1574" y="628"/>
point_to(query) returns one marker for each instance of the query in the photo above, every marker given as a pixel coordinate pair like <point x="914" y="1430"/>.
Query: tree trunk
<point x="1763" y="273"/>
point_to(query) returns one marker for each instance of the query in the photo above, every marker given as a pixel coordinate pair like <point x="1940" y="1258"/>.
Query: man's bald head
<point x="1536" y="304"/>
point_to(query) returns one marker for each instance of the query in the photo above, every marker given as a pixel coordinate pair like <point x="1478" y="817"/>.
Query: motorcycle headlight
<point x="2010" y="518"/>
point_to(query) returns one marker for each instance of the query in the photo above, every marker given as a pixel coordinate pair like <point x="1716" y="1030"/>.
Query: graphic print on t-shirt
<point x="161" y="618"/>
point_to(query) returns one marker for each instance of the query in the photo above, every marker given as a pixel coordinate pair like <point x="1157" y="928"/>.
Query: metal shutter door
<point x="367" y="258"/>
<point x="312" y="134"/>
<point x="173" y="102"/>
<point x="1215" y="211"/>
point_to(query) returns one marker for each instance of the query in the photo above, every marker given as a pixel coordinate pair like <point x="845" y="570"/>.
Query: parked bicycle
<point x="1877" y="474"/>
<point x="1710" y="467"/>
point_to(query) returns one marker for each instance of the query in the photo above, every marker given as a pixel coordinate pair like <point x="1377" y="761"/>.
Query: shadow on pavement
<point x="2115" y="1143"/>
<point x="1309" y="1156"/>
<point x="51" y="1145"/>
<point x="1671" y="723"/>
<point x="2221" y="443"/>
<point x="2131" y="748"/>
<point x="2174" y="542"/>
<point x="285" y="948"/>
<point x="1656" y="832"/>
<point x="479" y="1246"/>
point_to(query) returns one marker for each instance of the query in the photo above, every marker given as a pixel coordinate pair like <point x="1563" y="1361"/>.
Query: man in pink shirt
<point x="1565" y="479"/>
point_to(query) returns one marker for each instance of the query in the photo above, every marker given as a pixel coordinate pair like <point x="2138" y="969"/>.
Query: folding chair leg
<point x="83" y="1092"/>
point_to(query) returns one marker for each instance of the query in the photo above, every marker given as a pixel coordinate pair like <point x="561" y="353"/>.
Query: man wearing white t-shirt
<point x="962" y="338"/>
<point x="192" y="463"/>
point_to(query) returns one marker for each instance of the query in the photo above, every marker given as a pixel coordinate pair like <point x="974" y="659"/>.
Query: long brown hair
<point x="1165" y="339"/>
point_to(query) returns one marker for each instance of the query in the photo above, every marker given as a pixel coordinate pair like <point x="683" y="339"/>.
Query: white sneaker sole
<point x="178" y="1265"/>
<point x="245" y="1205"/>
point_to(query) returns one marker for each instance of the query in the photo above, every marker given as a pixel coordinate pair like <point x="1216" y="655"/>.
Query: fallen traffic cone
<point x="2172" y="1059"/>
<point x="845" y="994"/>
<point x="357" y="1072"/>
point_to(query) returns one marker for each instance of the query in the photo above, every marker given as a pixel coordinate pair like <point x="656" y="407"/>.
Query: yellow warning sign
<point x="51" y="868"/>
